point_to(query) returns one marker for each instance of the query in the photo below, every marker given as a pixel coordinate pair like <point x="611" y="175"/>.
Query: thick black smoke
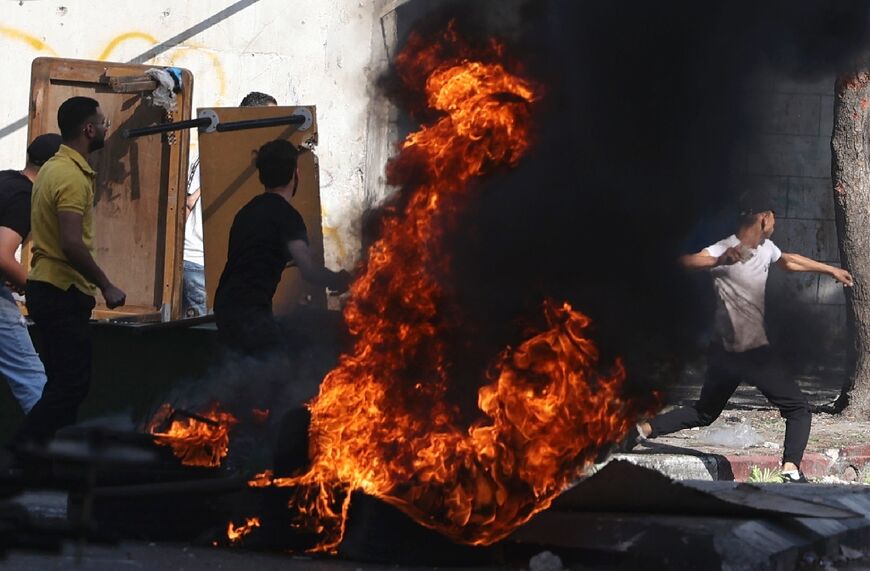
<point x="647" y="112"/>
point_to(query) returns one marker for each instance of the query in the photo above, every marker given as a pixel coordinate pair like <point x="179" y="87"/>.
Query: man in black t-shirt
<point x="267" y="234"/>
<point x="19" y="363"/>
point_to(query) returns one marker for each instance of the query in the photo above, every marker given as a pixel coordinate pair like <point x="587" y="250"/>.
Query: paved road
<point x="48" y="507"/>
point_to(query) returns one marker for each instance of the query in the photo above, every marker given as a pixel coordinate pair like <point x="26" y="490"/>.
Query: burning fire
<point x="235" y="534"/>
<point x="382" y="423"/>
<point x="201" y="439"/>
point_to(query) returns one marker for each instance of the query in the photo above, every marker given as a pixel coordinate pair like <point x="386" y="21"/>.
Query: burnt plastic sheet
<point x="626" y="488"/>
<point x="629" y="517"/>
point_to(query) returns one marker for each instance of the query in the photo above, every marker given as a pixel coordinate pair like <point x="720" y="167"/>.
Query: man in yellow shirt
<point x="64" y="276"/>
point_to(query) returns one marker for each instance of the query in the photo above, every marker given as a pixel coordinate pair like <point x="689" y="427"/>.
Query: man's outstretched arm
<point x="797" y="263"/>
<point x="315" y="273"/>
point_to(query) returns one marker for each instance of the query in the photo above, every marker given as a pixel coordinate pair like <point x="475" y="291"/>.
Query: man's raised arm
<point x="796" y="263"/>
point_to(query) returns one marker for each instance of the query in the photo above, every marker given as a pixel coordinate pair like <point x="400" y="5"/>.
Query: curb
<point x="814" y="465"/>
<point x="851" y="463"/>
<point x="676" y="466"/>
<point x="854" y="461"/>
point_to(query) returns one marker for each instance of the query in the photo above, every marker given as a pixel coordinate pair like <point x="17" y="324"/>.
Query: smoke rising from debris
<point x="259" y="390"/>
<point x="648" y="108"/>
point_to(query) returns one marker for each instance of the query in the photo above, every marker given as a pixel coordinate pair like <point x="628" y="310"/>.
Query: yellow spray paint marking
<point x="32" y="41"/>
<point x="118" y="40"/>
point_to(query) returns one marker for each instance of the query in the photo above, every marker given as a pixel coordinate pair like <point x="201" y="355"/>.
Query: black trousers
<point x="725" y="371"/>
<point x="248" y="330"/>
<point x="61" y="319"/>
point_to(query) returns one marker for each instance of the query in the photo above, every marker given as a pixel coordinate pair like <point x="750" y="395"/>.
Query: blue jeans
<point x="193" y="296"/>
<point x="19" y="362"/>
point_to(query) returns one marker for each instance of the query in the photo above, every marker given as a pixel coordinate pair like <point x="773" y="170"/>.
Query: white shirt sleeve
<point x="717" y="249"/>
<point x="775" y="252"/>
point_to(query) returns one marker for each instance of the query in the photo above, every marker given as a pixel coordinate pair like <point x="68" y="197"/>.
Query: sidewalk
<point x="749" y="433"/>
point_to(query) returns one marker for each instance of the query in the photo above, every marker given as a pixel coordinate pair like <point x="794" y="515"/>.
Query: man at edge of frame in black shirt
<point x="267" y="234"/>
<point x="19" y="363"/>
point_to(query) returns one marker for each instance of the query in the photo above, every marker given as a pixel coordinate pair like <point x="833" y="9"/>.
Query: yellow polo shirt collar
<point x="77" y="158"/>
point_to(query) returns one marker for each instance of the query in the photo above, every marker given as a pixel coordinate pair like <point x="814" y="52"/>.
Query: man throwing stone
<point x="740" y="350"/>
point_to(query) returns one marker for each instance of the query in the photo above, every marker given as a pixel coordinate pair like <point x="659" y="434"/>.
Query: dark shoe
<point x="631" y="440"/>
<point x="794" y="478"/>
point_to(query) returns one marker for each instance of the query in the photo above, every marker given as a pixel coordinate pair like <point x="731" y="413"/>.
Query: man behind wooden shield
<point x="267" y="234"/>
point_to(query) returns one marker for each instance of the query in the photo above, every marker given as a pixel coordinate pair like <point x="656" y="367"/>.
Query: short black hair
<point x="257" y="99"/>
<point x="43" y="148"/>
<point x="747" y="219"/>
<point x="276" y="161"/>
<point x="73" y="114"/>
<point x="756" y="202"/>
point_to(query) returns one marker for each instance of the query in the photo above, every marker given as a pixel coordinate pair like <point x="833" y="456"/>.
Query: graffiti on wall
<point x="21" y="36"/>
<point x="203" y="62"/>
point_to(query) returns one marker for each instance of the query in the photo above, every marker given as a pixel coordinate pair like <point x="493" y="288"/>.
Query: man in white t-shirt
<point x="194" y="296"/>
<point x="740" y="350"/>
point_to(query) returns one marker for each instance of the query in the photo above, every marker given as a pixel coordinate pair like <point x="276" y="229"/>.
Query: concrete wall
<point x="301" y="52"/>
<point x="792" y="161"/>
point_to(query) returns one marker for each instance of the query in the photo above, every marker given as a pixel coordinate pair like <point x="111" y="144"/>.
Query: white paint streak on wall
<point x="315" y="52"/>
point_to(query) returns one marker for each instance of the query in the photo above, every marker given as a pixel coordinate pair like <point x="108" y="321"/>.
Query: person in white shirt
<point x="740" y="350"/>
<point x="194" y="302"/>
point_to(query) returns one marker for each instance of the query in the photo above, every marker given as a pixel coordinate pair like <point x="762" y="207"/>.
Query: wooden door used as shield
<point x="139" y="199"/>
<point x="228" y="179"/>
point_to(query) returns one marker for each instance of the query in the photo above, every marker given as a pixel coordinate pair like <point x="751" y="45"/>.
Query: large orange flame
<point x="381" y="423"/>
<point x="199" y="440"/>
